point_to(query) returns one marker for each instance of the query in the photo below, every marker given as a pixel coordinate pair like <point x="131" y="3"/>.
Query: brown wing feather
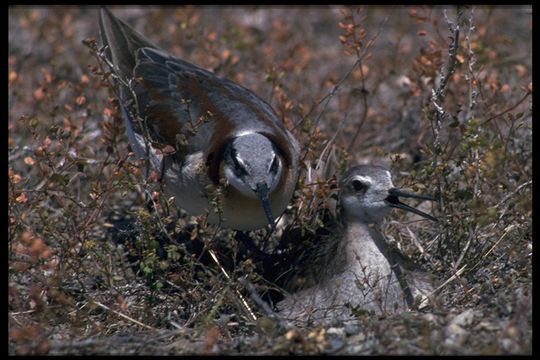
<point x="176" y="103"/>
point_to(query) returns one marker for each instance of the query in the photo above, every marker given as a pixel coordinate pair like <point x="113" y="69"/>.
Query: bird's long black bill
<point x="262" y="191"/>
<point x="393" y="201"/>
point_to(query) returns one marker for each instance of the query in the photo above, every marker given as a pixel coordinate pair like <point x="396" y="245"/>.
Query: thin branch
<point x="253" y="294"/>
<point x="123" y="315"/>
<point x="516" y="190"/>
<point x="509" y="109"/>
<point x="471" y="61"/>
<point x="471" y="237"/>
<point x="438" y="94"/>
<point x="327" y="97"/>
<point x="456" y="275"/>
<point x="506" y="231"/>
<point x="240" y="296"/>
<point x="360" y="57"/>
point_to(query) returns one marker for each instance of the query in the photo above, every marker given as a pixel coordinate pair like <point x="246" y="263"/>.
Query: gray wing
<point x="412" y="278"/>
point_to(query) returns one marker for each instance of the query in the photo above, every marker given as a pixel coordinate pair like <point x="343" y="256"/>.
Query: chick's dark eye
<point x="359" y="186"/>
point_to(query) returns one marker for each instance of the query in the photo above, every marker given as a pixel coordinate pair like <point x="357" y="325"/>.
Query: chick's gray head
<point x="367" y="194"/>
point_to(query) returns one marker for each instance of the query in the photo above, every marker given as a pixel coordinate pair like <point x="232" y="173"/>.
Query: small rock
<point x="334" y="345"/>
<point x="335" y="331"/>
<point x="455" y="335"/>
<point x="266" y="326"/>
<point x="352" y="329"/>
<point x="358" y="338"/>
<point x="430" y="318"/>
<point x="488" y="325"/>
<point x="508" y="344"/>
<point x="293" y="335"/>
<point x="464" y="319"/>
<point x="360" y="343"/>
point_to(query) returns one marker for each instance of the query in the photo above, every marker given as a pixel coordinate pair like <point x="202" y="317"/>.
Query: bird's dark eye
<point x="239" y="167"/>
<point x="359" y="186"/>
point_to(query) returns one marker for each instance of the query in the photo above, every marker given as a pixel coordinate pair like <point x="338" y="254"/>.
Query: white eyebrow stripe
<point x="245" y="132"/>
<point x="274" y="156"/>
<point x="241" y="161"/>
<point x="364" y="179"/>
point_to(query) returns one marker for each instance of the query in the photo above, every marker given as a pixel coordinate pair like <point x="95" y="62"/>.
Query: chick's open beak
<point x="393" y="201"/>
